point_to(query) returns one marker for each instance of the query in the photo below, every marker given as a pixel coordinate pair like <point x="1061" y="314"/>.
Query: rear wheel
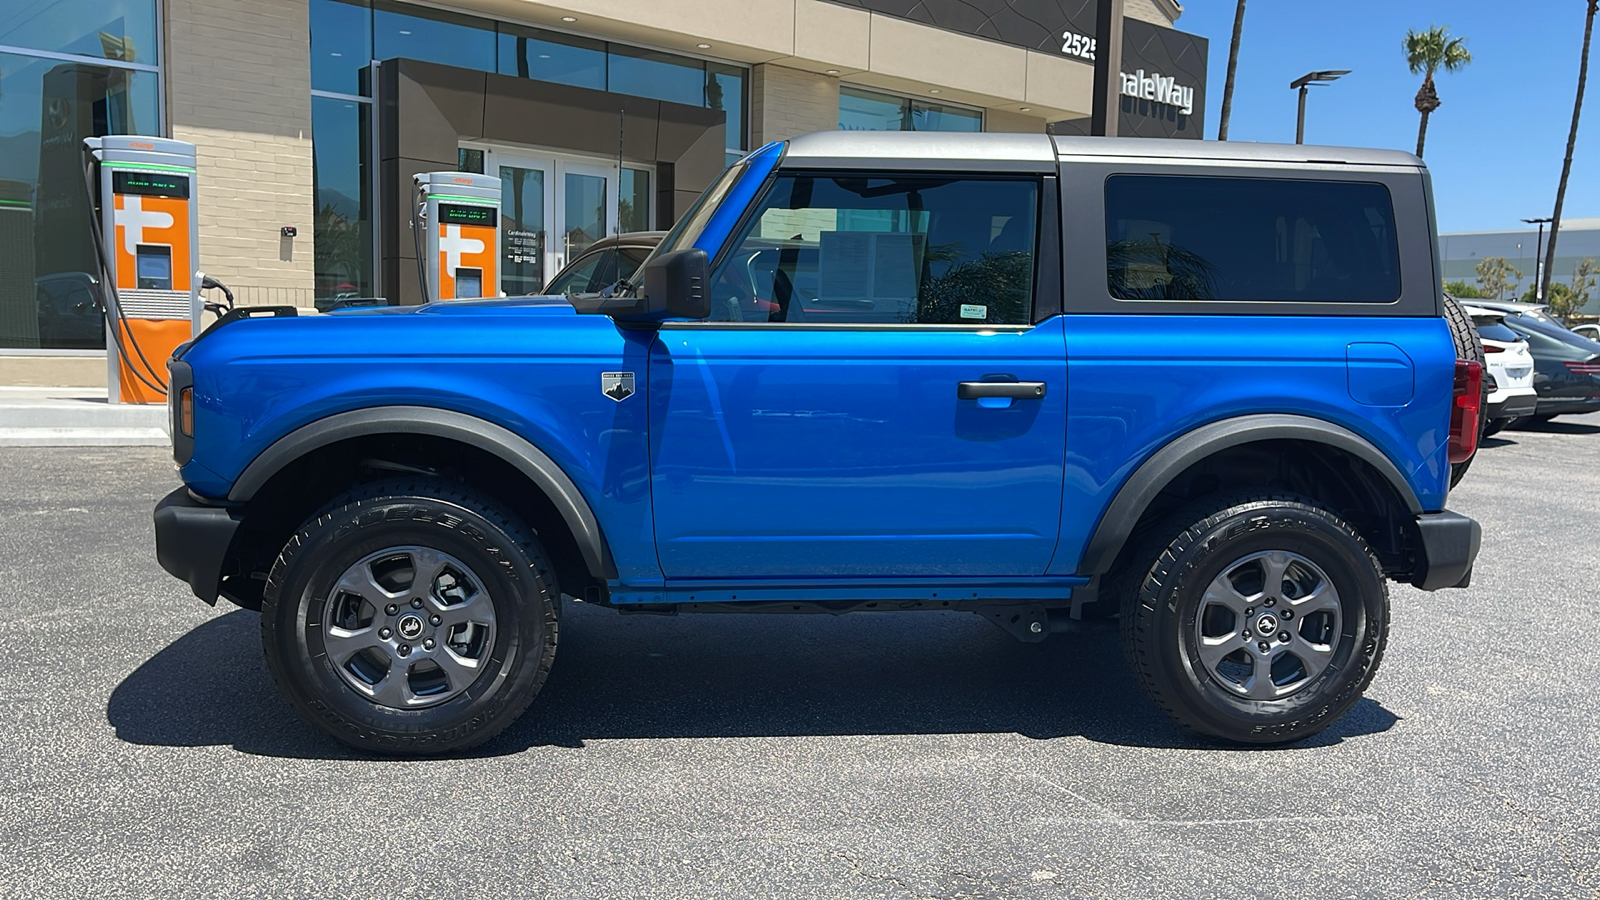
<point x="1261" y="622"/>
<point x="411" y="617"/>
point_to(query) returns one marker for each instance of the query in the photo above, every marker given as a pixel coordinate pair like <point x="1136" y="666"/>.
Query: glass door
<point x="551" y="210"/>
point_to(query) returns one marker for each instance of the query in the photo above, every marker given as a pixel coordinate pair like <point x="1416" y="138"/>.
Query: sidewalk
<point x="76" y="417"/>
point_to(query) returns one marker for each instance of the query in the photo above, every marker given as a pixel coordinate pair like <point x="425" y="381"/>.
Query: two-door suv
<point x="1213" y="389"/>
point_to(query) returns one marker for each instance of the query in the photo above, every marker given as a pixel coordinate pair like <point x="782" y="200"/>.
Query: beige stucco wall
<point x="239" y="82"/>
<point x="786" y="102"/>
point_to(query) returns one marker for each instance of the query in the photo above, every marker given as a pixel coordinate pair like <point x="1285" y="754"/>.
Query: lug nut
<point x="1249" y="610"/>
<point x="384" y="633"/>
<point x="391" y="609"/>
<point x="1287" y="614"/>
<point x="435" y="620"/>
<point x="1247" y="634"/>
<point x="416" y="603"/>
<point x="405" y="649"/>
<point x="1284" y="637"/>
<point x="1269" y="602"/>
<point x="1263" y="645"/>
<point x="427" y="644"/>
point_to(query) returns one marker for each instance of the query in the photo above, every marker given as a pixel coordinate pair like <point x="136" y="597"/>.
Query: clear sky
<point x="1496" y="142"/>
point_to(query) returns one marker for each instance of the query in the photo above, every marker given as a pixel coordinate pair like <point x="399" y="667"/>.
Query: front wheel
<point x="1261" y="622"/>
<point x="411" y="617"/>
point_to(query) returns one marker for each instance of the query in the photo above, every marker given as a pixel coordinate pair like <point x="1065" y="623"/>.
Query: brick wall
<point x="785" y="103"/>
<point x="239" y="86"/>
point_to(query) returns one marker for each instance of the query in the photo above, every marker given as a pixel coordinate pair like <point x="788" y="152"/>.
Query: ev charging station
<point x="149" y="237"/>
<point x="459" y="234"/>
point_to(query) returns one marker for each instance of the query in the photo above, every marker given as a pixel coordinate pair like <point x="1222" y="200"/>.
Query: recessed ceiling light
<point x="336" y="54"/>
<point x="703" y="46"/>
<point x="1025" y="108"/>
<point x="569" y="18"/>
<point x="544" y="56"/>
<point x="404" y="31"/>
<point x="934" y="91"/>
<point x="833" y="71"/>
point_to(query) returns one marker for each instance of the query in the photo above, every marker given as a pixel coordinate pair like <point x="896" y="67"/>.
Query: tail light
<point x="1491" y="348"/>
<point x="1467" y="398"/>
<point x="1587" y="367"/>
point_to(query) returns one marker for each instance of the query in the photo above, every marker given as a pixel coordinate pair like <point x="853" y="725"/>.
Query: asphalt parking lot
<point x="147" y="753"/>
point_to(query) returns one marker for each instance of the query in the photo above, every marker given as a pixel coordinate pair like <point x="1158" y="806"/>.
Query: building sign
<point x="1163" y="69"/>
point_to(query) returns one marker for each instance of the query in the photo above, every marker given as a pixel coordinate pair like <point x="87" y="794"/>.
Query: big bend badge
<point x="617" y="385"/>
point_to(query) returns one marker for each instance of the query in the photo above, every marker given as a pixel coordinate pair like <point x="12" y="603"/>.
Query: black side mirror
<point x="677" y="285"/>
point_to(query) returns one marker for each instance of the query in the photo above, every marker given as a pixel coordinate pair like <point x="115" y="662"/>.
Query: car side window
<point x="581" y="276"/>
<point x="914" y="249"/>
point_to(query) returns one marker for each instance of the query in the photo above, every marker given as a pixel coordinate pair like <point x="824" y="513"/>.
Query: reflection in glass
<point x="863" y="110"/>
<point x="633" y="201"/>
<point x="585" y="212"/>
<point x="50" y="275"/>
<point x="662" y="76"/>
<point x="341" y="45"/>
<point x="342" y="225"/>
<point x="547" y="56"/>
<point x="522" y="230"/>
<point x="469" y="160"/>
<point x="107" y="29"/>
<point x="725" y="91"/>
<point x="417" y="32"/>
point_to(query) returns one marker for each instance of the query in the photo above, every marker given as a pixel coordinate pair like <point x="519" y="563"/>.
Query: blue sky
<point x="1496" y="142"/>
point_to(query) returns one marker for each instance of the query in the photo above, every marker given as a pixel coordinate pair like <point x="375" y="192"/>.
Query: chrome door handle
<point x="1017" y="390"/>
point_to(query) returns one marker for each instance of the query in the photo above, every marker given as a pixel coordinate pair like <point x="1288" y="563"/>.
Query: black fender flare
<point x="1155" y="473"/>
<point x="471" y="430"/>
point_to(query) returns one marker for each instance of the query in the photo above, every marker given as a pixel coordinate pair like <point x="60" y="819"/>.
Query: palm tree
<point x="1233" y="63"/>
<point x="1426" y="53"/>
<point x="1572" y="141"/>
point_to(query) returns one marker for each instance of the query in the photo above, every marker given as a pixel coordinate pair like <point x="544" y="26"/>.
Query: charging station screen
<point x="453" y="214"/>
<point x="469" y="282"/>
<point x="154" y="265"/>
<point x="155" y="184"/>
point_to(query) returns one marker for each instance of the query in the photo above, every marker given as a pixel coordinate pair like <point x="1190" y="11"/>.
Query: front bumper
<point x="192" y="540"/>
<point x="1448" y="546"/>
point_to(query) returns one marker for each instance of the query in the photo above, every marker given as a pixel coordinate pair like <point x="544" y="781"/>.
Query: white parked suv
<point x="1506" y="356"/>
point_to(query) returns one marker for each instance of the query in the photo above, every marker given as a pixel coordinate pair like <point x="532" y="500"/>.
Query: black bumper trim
<point x="192" y="540"/>
<point x="1448" y="548"/>
<point x="1523" y="405"/>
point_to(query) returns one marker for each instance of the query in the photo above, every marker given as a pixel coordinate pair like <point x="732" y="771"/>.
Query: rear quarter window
<point x="1183" y="237"/>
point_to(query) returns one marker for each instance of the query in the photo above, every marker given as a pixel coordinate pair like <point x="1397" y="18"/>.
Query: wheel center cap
<point x="1266" y="625"/>
<point x="409" y="627"/>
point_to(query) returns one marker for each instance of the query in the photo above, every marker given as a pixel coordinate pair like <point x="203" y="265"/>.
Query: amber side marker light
<point x="186" y="411"/>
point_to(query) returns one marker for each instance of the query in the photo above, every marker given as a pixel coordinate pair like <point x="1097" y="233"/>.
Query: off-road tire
<point x="1158" y="619"/>
<point x="1469" y="346"/>
<point x="1495" y="426"/>
<point x="429" y="513"/>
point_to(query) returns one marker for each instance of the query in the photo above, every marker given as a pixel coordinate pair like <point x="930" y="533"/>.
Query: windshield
<point x="688" y="229"/>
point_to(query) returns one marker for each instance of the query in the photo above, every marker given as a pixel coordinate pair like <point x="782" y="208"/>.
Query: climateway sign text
<point x="1159" y="89"/>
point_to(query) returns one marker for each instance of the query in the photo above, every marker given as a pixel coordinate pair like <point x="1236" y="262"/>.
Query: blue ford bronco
<point x="1213" y="390"/>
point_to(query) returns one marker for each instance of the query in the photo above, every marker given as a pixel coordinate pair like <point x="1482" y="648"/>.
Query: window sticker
<point x="974" y="311"/>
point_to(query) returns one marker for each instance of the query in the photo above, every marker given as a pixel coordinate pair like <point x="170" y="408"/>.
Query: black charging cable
<point x="108" y="287"/>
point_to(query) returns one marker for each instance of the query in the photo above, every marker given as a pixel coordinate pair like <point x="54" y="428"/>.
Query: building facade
<point x="1461" y="253"/>
<point x="599" y="116"/>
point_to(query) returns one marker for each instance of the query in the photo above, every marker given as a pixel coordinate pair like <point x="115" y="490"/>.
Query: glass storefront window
<point x="47" y="108"/>
<point x="417" y="32"/>
<point x="725" y="91"/>
<point x="342" y="224"/>
<point x="863" y="110"/>
<point x="633" y="201"/>
<point x="660" y="76"/>
<point x="341" y="45"/>
<point x="469" y="160"/>
<point x="546" y="56"/>
<point x="123" y="30"/>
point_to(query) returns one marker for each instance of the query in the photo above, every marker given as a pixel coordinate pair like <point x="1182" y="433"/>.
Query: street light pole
<point x="1538" y="261"/>
<point x="1303" y="84"/>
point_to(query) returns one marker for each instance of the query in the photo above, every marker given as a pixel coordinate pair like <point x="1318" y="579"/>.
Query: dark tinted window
<point x="584" y="274"/>
<point x="1171" y="237"/>
<point x="1494" y="331"/>
<point x="912" y="249"/>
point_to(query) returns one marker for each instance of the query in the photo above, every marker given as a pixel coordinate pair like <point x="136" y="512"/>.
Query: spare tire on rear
<point x="1469" y="346"/>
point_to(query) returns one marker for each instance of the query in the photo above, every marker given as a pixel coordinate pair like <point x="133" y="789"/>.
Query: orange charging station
<point x="149" y="232"/>
<point x="460" y="222"/>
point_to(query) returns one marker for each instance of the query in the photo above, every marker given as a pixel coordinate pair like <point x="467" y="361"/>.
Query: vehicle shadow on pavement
<point x="702" y="676"/>
<point x="1556" y="426"/>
